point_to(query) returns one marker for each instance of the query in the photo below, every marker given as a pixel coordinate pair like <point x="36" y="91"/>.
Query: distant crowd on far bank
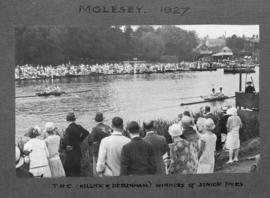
<point x="188" y="146"/>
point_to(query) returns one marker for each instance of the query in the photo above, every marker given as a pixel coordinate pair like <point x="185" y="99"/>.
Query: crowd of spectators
<point x="132" y="149"/>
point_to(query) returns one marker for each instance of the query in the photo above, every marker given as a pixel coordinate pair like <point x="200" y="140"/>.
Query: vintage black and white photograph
<point x="126" y="100"/>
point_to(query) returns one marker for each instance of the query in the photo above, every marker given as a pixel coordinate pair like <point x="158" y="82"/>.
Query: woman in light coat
<point x="233" y="141"/>
<point x="53" y="144"/>
<point x="38" y="154"/>
<point x="208" y="138"/>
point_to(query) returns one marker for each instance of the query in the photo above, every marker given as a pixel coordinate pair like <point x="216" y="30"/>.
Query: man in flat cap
<point x="74" y="135"/>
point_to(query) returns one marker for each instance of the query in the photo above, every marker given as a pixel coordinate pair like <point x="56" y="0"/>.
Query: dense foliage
<point x="57" y="45"/>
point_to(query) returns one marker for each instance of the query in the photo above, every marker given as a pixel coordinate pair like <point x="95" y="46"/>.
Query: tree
<point x="236" y="44"/>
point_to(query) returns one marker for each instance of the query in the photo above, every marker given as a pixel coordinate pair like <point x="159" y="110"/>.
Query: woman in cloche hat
<point x="232" y="143"/>
<point x="38" y="154"/>
<point x="53" y="144"/>
<point x="184" y="151"/>
<point x="208" y="138"/>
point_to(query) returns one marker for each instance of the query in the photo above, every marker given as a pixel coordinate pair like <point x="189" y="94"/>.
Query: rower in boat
<point x="220" y="93"/>
<point x="56" y="91"/>
<point x="213" y="94"/>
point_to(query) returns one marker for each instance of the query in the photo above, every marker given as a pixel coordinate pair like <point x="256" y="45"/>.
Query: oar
<point x="203" y="101"/>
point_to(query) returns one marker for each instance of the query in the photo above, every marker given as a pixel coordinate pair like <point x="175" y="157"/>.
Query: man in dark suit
<point x="99" y="132"/>
<point x="73" y="137"/>
<point x="137" y="156"/>
<point x="159" y="145"/>
<point x="249" y="88"/>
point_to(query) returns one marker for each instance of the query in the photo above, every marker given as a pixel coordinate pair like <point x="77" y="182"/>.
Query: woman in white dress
<point x="38" y="154"/>
<point x="233" y="141"/>
<point x="208" y="139"/>
<point x="53" y="144"/>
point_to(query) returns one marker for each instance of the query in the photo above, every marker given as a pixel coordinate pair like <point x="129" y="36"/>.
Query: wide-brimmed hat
<point x="49" y="126"/>
<point x="200" y="123"/>
<point x="248" y="82"/>
<point x="232" y="111"/>
<point x="18" y="158"/>
<point x="209" y="124"/>
<point x="224" y="108"/>
<point x="70" y="117"/>
<point x="99" y="117"/>
<point x="175" y="130"/>
<point x="186" y="122"/>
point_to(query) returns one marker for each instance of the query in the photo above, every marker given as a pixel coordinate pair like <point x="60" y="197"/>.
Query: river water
<point x="132" y="97"/>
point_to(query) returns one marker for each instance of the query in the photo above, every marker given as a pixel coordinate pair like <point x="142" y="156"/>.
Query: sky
<point x="215" y="31"/>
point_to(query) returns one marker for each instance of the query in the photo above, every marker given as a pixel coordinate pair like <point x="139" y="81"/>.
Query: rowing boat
<point x="208" y="99"/>
<point x="52" y="93"/>
<point x="214" y="98"/>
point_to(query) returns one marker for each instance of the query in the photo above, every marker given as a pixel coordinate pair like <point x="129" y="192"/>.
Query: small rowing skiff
<point x="214" y="98"/>
<point x="52" y="93"/>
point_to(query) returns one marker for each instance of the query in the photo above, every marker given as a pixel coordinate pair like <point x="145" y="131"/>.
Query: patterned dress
<point x="184" y="156"/>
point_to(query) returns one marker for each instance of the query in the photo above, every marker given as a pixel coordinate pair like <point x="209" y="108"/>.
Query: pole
<point x="240" y="81"/>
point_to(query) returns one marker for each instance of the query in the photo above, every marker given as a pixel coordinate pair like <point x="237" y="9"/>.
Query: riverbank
<point x="248" y="150"/>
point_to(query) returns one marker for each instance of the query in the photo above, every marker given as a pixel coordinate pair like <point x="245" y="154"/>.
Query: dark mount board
<point x="66" y="12"/>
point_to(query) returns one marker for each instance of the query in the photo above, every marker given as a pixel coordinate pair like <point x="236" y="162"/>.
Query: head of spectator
<point x="207" y="109"/>
<point x="209" y="124"/>
<point x="71" y="117"/>
<point x="186" y="122"/>
<point x="148" y="126"/>
<point x="232" y="111"/>
<point x="133" y="129"/>
<point x="99" y="117"/>
<point x="50" y="128"/>
<point x="175" y="130"/>
<point x="213" y="91"/>
<point x="224" y="108"/>
<point x="34" y="132"/>
<point x="200" y="124"/>
<point x="117" y="124"/>
<point x="179" y="117"/>
<point x="186" y="113"/>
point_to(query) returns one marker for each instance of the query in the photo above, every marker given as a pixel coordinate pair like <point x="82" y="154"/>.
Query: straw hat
<point x="209" y="124"/>
<point x="224" y="108"/>
<point x="200" y="123"/>
<point x="19" y="159"/>
<point x="175" y="130"/>
<point x="232" y="111"/>
<point x="49" y="126"/>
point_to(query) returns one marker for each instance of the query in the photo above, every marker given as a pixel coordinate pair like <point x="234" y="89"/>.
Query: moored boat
<point x="236" y="70"/>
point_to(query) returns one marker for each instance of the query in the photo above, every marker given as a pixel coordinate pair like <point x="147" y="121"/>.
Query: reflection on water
<point x="133" y="97"/>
